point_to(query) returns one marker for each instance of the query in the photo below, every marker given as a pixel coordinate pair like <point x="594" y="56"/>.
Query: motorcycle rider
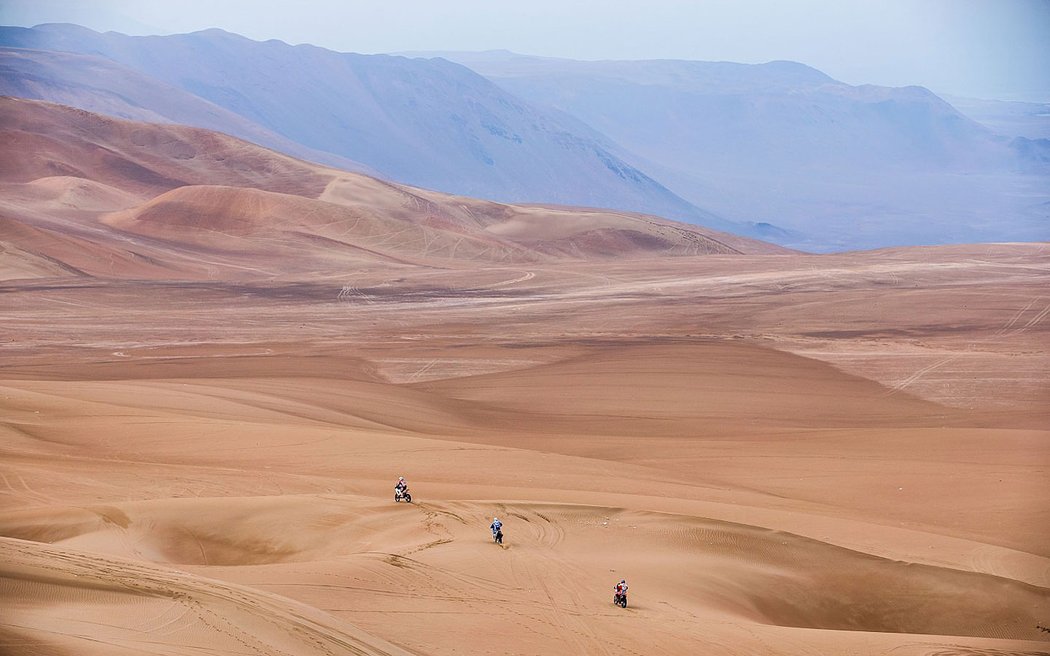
<point x="496" y="527"/>
<point x="621" y="588"/>
<point x="399" y="489"/>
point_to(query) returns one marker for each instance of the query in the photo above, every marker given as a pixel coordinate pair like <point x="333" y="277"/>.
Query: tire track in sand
<point x="270" y="616"/>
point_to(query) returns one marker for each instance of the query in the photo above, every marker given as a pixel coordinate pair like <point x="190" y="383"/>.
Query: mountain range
<point x="782" y="142"/>
<point x="428" y="123"/>
<point x="778" y="150"/>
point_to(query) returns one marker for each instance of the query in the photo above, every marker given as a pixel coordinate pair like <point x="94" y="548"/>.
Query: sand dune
<point x="646" y="390"/>
<point x="733" y="573"/>
<point x="113" y="606"/>
<point x="280" y="485"/>
<point x="212" y="373"/>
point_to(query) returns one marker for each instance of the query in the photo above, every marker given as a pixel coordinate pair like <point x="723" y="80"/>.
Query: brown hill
<point x="185" y="202"/>
<point x="43" y="140"/>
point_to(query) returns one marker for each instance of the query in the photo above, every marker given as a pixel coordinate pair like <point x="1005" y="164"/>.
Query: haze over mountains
<point x="784" y="143"/>
<point x="1011" y="118"/>
<point x="778" y="150"/>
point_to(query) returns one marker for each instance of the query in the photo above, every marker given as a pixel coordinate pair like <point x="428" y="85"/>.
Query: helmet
<point x="495" y="519"/>
<point x="400" y="478"/>
<point x="623" y="580"/>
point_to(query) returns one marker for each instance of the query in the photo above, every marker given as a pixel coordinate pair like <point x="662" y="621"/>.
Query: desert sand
<point x="215" y="361"/>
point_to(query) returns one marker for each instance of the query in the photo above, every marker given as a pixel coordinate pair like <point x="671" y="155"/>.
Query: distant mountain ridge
<point x="735" y="111"/>
<point x="851" y="166"/>
<point x="433" y="124"/>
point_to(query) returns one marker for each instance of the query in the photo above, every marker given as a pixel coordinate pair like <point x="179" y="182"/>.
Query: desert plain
<point x="215" y="361"/>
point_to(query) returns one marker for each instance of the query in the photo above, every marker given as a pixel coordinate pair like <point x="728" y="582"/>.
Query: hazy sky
<point x="981" y="48"/>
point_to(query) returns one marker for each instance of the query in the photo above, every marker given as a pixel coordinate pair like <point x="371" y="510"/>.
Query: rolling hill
<point x="91" y="195"/>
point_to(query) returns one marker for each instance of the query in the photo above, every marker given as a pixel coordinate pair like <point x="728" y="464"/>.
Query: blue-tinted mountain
<point x="782" y="142"/>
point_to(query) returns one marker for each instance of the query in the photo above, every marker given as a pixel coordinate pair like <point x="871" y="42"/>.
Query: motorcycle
<point x="402" y="495"/>
<point x="497" y="537"/>
<point x="620" y="600"/>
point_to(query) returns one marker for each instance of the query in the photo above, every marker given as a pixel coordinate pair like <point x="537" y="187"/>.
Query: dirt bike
<point x="497" y="537"/>
<point x="620" y="600"/>
<point x="402" y="495"/>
